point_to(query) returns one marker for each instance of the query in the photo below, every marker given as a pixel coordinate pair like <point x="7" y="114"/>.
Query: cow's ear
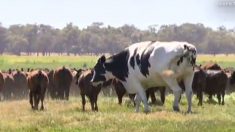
<point x="102" y="59"/>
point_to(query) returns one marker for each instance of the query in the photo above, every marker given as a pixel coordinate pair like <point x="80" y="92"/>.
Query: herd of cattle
<point x="208" y="79"/>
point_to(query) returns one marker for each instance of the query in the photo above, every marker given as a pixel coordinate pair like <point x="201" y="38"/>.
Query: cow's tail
<point x="40" y="78"/>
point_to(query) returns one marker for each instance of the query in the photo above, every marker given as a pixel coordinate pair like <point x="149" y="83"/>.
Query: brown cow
<point x="74" y="90"/>
<point x="37" y="84"/>
<point x="87" y="89"/>
<point x="20" y="84"/>
<point x="211" y="66"/>
<point x="62" y="79"/>
<point x="1" y="84"/>
<point x="216" y="81"/>
<point x="8" y="88"/>
<point x="51" y="87"/>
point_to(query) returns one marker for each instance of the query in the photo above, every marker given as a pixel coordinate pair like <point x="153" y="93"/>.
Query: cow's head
<point x="78" y="74"/>
<point x="99" y="73"/>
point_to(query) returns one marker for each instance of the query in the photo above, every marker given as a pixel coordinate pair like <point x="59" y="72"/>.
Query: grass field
<point x="66" y="116"/>
<point x="14" y="62"/>
<point x="10" y="61"/>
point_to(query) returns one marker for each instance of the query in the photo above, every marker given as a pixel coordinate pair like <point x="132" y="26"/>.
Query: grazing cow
<point x="150" y="64"/>
<point x="62" y="79"/>
<point x="37" y="84"/>
<point x="216" y="81"/>
<point x="87" y="89"/>
<point x="20" y="84"/>
<point x="211" y="66"/>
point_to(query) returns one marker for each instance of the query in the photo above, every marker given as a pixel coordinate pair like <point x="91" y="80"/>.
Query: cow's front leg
<point x="137" y="102"/>
<point x="143" y="97"/>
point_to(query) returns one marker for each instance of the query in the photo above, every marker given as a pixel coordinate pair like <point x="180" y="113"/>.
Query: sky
<point x="140" y="13"/>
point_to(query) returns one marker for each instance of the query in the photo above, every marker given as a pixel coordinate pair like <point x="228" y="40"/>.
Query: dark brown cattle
<point x="51" y="87"/>
<point x="215" y="84"/>
<point x="87" y="89"/>
<point x="20" y="84"/>
<point x="62" y="79"/>
<point x="74" y="90"/>
<point x="8" y="88"/>
<point x="37" y="84"/>
<point x="211" y="66"/>
<point x="230" y="87"/>
<point x="151" y="92"/>
<point x="2" y="80"/>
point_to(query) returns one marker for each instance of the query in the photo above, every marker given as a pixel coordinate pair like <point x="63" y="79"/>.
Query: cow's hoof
<point x="147" y="111"/>
<point x="42" y="108"/>
<point x="176" y="109"/>
<point x="189" y="112"/>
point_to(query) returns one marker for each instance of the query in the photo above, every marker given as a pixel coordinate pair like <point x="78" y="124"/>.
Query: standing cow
<point x="37" y="84"/>
<point x="2" y="81"/>
<point x="83" y="78"/>
<point x="62" y="80"/>
<point x="20" y="84"/>
<point x="150" y="64"/>
<point x="8" y="88"/>
<point x="216" y="81"/>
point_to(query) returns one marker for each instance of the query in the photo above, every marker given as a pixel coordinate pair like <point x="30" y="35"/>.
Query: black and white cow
<point x="150" y="64"/>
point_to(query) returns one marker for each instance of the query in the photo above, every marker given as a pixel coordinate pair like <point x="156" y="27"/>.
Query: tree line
<point x="97" y="38"/>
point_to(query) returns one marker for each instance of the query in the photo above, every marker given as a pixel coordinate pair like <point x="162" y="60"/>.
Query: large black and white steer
<point x="150" y="64"/>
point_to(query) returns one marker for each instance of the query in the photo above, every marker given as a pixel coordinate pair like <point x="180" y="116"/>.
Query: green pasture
<point x="67" y="116"/>
<point x="11" y="61"/>
<point x="51" y="62"/>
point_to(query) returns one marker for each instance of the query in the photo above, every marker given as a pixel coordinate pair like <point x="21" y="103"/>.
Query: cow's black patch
<point x="117" y="65"/>
<point x="144" y="61"/>
<point x="180" y="60"/>
<point x="132" y="60"/>
<point x="138" y="59"/>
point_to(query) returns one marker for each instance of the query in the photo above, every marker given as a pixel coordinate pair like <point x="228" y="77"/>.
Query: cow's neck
<point x="118" y="65"/>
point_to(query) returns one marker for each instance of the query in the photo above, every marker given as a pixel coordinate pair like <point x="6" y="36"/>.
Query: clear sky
<point x="141" y="13"/>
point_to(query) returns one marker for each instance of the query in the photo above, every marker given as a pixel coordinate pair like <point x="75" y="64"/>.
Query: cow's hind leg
<point x="219" y="98"/>
<point x="172" y="83"/>
<point x="223" y="93"/>
<point x="42" y="96"/>
<point x="83" y="102"/>
<point x="188" y="90"/>
<point x="31" y="99"/>
<point x="162" y="93"/>
<point x="36" y="100"/>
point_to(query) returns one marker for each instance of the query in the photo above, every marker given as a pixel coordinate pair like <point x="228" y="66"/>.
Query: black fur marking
<point x="132" y="60"/>
<point x="180" y="60"/>
<point x="117" y="65"/>
<point x="144" y="61"/>
<point x="138" y="59"/>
